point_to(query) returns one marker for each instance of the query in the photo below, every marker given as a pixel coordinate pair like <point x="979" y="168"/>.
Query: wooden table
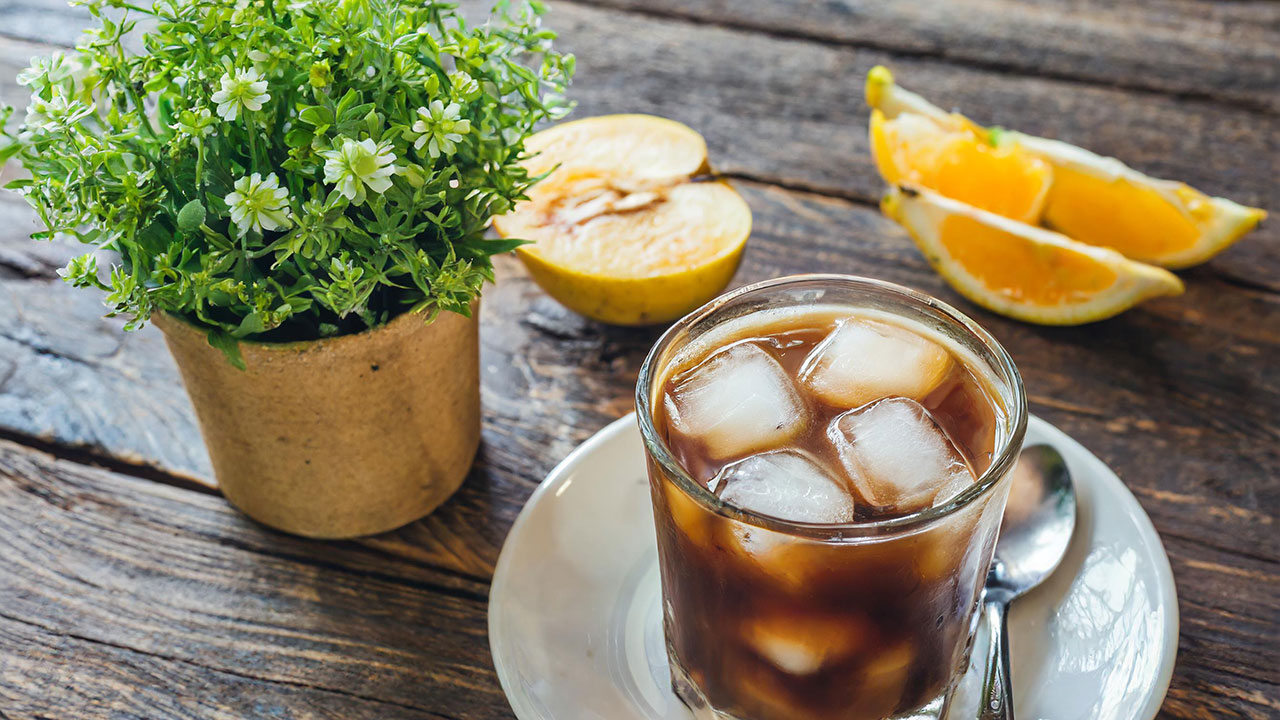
<point x="129" y="588"/>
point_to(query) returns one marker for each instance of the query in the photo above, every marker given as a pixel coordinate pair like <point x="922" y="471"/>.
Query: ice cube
<point x="787" y="485"/>
<point x="737" y="401"/>
<point x="801" y="644"/>
<point x="896" y="454"/>
<point x="688" y="517"/>
<point x="863" y="360"/>
<point x="956" y="484"/>
<point x="884" y="679"/>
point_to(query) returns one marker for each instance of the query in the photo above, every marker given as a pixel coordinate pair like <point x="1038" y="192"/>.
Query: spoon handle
<point x="997" y="693"/>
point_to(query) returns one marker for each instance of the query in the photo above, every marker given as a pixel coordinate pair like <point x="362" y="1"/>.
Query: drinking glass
<point x="767" y="619"/>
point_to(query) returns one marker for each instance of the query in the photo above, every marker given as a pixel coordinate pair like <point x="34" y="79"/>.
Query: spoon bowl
<point x="1039" y="520"/>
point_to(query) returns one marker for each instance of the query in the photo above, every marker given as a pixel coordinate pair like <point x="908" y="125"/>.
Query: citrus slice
<point x="625" y="229"/>
<point x="1094" y="199"/>
<point x="952" y="156"/>
<point x="1102" y="201"/>
<point x="1023" y="271"/>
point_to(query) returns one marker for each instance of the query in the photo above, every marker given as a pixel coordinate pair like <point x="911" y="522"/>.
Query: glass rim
<point x="1003" y="462"/>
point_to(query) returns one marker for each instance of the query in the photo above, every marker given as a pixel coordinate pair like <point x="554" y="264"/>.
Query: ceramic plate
<point x="575" y="624"/>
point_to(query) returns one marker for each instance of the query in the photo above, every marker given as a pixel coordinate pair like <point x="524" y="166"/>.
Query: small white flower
<point x="259" y="203"/>
<point x="439" y="128"/>
<point x="245" y="88"/>
<point x="57" y="110"/>
<point x="355" y="165"/>
<point x="46" y="70"/>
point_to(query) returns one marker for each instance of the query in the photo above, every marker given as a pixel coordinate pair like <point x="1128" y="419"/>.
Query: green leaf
<point x="252" y="324"/>
<point x="348" y="100"/>
<point x="316" y="115"/>
<point x="355" y="113"/>
<point x="229" y="346"/>
<point x="8" y="150"/>
<point x="486" y="248"/>
<point x="298" y="138"/>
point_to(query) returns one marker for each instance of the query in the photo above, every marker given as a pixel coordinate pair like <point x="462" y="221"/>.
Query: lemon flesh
<point x="1023" y="271"/>
<point x="624" y="230"/>
<point x="1093" y="199"/>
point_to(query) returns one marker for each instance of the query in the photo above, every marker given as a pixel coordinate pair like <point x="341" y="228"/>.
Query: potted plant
<point x="297" y="195"/>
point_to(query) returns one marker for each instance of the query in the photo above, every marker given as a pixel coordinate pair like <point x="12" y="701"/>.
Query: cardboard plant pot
<point x="340" y="437"/>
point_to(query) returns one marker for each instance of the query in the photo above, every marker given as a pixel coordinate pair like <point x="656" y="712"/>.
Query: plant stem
<point x="253" y="149"/>
<point x="199" y="169"/>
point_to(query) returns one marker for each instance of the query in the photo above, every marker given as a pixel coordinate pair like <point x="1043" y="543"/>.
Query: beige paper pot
<point x="340" y="437"/>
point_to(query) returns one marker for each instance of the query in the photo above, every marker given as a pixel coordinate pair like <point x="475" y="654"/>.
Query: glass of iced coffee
<point x="829" y="460"/>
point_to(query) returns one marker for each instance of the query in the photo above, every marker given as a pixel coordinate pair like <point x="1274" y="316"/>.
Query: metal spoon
<point x="1038" y="522"/>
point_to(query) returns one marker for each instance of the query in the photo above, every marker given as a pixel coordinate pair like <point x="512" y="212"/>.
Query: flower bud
<point x="191" y="216"/>
<point x="320" y="74"/>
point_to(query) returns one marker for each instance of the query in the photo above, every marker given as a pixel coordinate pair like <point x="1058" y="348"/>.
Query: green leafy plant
<point x="287" y="170"/>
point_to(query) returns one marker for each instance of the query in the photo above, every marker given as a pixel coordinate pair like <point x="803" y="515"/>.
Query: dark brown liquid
<point x="772" y="626"/>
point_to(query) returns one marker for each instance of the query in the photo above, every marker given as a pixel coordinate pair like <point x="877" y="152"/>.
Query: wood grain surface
<point x="133" y="590"/>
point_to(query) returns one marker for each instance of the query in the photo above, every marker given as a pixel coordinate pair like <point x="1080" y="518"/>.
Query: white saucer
<point x="575" y="623"/>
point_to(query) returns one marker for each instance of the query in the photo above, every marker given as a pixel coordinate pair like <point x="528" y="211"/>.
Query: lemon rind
<point x="921" y="212"/>
<point x="892" y="99"/>
<point x="561" y="128"/>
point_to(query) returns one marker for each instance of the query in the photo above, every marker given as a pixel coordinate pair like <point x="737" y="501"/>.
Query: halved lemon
<point x="625" y="228"/>
<point x="1093" y="199"/>
<point x="1023" y="271"/>
<point x="951" y="155"/>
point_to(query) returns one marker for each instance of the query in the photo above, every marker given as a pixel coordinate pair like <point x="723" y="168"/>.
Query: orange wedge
<point x="625" y="228"/>
<point x="1093" y="199"/>
<point x="1023" y="271"/>
<point x="1104" y="202"/>
<point x="956" y="158"/>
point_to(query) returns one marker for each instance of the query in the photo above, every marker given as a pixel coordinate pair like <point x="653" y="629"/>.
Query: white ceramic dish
<point x="575" y="623"/>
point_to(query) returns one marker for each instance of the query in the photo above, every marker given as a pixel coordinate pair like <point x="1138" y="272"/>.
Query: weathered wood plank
<point x="1220" y="50"/>
<point x="159" y="572"/>
<point x="54" y="21"/>
<point x="117" y="384"/>
<point x="49" y="674"/>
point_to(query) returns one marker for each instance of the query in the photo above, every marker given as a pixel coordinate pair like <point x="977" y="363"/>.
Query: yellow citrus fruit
<point x="1093" y="199"/>
<point x="626" y="228"/>
<point x="984" y="169"/>
<point x="1020" y="270"/>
